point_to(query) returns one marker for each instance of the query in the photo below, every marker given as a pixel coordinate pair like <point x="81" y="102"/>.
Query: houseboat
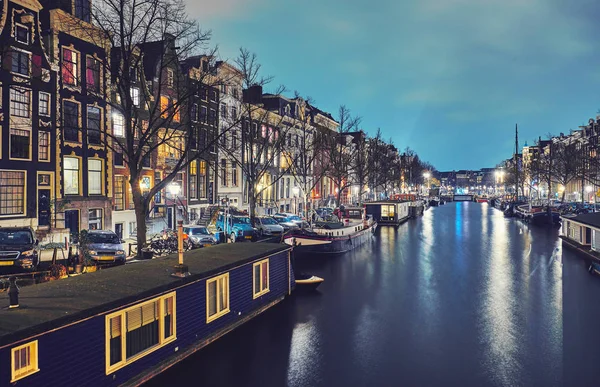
<point x="462" y="198"/>
<point x="354" y="229"/>
<point x="537" y="215"/>
<point x="125" y="325"/>
<point x="582" y="234"/>
<point x="389" y="212"/>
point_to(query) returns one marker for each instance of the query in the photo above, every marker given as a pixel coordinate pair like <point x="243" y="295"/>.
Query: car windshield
<point x="294" y="217"/>
<point x="198" y="231"/>
<point x="241" y="220"/>
<point x="104" y="238"/>
<point x="15" y="237"/>
<point x="280" y="220"/>
<point x="267" y="221"/>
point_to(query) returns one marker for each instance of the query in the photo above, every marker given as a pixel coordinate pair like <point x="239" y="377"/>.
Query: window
<point x="146" y="160"/>
<point x="95" y="219"/>
<point x="213" y="96"/>
<point x="194" y="112"/>
<point x="44" y="106"/>
<point x="193" y="179"/>
<point x="82" y="10"/>
<point x="224" y="138"/>
<point x="203" y="114"/>
<point x="71" y="121"/>
<point x="164" y="106"/>
<point x="135" y="96"/>
<point x="202" y="180"/>
<point x="233" y="140"/>
<point x="174" y="109"/>
<point x="235" y="92"/>
<point x="169" y="77"/>
<point x="224" y="89"/>
<point x="95" y="177"/>
<point x="12" y="192"/>
<point x="212" y="118"/>
<point x="119" y="197"/>
<point x="217" y="297"/>
<point x="234" y="179"/>
<point x="24" y="361"/>
<point x="71" y="175"/>
<point x="133" y="74"/>
<point x="92" y="74"/>
<point x="233" y="112"/>
<point x="93" y="125"/>
<point x="20" y="62"/>
<point x="69" y="71"/>
<point x="118" y="159"/>
<point x="22" y="34"/>
<point x="136" y="331"/>
<point x="118" y="125"/>
<point x="223" y="110"/>
<point x="43" y="146"/>
<point x="19" y="102"/>
<point x="20" y="141"/>
<point x="224" y="172"/>
<point x="260" y="277"/>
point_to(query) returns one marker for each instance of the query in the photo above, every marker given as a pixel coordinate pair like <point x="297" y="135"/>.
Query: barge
<point x="334" y="237"/>
<point x="389" y="212"/>
<point x="125" y="325"/>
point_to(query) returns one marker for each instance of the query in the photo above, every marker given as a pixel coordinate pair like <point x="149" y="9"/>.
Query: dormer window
<point x="22" y="34"/>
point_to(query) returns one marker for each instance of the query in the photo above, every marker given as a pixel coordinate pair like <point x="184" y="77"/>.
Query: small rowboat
<point x="308" y="282"/>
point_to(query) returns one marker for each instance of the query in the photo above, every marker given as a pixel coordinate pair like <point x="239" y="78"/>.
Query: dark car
<point x="18" y="248"/>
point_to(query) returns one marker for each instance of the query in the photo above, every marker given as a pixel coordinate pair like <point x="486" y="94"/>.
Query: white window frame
<point x="47" y="113"/>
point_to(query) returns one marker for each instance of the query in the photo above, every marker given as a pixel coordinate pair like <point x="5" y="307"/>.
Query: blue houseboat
<point x="125" y="325"/>
<point x="389" y="212"/>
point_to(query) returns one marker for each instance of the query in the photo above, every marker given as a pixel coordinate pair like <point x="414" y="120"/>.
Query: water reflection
<point x="304" y="353"/>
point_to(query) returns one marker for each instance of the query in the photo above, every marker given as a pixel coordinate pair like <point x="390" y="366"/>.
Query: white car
<point x="268" y="226"/>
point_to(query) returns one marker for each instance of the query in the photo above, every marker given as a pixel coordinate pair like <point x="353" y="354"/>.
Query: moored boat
<point x="334" y="237"/>
<point x="307" y="282"/>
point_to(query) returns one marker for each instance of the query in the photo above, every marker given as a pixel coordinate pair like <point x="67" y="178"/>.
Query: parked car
<point x="106" y="247"/>
<point x="268" y="226"/>
<point x="237" y="228"/>
<point x="18" y="248"/>
<point x="290" y="217"/>
<point x="199" y="236"/>
<point x="285" y="223"/>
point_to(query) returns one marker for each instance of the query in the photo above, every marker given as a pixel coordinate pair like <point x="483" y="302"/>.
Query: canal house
<point x="122" y="327"/>
<point x="389" y="212"/>
<point x="27" y="118"/>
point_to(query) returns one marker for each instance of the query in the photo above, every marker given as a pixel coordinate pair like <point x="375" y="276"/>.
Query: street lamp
<point x="296" y="191"/>
<point x="174" y="190"/>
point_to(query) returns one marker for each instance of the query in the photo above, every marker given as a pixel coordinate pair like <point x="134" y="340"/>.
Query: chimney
<point x="253" y="94"/>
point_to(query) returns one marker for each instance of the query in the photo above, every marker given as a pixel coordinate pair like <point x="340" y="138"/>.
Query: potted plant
<point x="83" y="250"/>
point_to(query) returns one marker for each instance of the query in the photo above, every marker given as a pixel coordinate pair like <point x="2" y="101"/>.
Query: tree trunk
<point x="140" y="218"/>
<point x="252" y="205"/>
<point x="563" y="195"/>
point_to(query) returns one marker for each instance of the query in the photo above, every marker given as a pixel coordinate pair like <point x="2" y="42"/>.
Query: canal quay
<point x="460" y="296"/>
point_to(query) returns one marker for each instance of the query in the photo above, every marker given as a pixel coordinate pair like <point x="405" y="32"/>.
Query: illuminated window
<point x="134" y="332"/>
<point x="95" y="177"/>
<point x="20" y="102"/>
<point x="69" y="72"/>
<point x="260" y="281"/>
<point x="135" y="96"/>
<point x="118" y="125"/>
<point x="24" y="361"/>
<point x="217" y="297"/>
<point x="12" y="192"/>
<point x="119" y="198"/>
<point x="92" y="74"/>
<point x="43" y="146"/>
<point x="71" y="175"/>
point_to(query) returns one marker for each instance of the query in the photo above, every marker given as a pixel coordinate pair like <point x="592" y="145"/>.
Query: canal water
<point x="460" y="296"/>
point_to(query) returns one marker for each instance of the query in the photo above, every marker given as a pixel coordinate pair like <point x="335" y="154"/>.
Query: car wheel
<point x="232" y="237"/>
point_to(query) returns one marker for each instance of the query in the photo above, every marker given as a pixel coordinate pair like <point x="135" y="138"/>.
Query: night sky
<point x="449" y="78"/>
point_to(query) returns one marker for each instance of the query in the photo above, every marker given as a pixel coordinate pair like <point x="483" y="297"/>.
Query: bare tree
<point x="340" y="151"/>
<point x="361" y="167"/>
<point x="148" y="92"/>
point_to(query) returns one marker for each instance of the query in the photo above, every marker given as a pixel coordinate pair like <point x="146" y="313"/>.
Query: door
<point x="119" y="230"/>
<point x="170" y="218"/>
<point x="72" y="222"/>
<point x="43" y="207"/>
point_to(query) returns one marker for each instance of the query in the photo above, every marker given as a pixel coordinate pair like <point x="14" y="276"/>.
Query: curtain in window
<point x="142" y="329"/>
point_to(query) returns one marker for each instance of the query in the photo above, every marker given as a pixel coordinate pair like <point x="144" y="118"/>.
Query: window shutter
<point x="149" y="313"/>
<point x="115" y="327"/>
<point x="36" y="65"/>
<point x="134" y="319"/>
<point x="169" y="306"/>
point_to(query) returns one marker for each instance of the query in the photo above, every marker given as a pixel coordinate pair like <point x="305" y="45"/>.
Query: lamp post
<point x="174" y="190"/>
<point x="296" y="191"/>
<point x="427" y="175"/>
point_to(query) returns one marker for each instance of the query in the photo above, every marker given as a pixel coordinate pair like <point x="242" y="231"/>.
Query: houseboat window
<point x="136" y="331"/>
<point x="261" y="278"/>
<point x="24" y="361"/>
<point x="217" y="297"/>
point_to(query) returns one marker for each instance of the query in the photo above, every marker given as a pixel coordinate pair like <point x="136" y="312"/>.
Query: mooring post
<point x="13" y="292"/>
<point x="181" y="270"/>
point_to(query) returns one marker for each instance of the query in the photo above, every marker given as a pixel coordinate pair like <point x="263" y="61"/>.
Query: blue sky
<point x="449" y="78"/>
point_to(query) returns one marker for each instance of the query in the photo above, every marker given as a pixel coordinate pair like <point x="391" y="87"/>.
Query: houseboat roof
<point x="57" y="303"/>
<point x="592" y="219"/>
